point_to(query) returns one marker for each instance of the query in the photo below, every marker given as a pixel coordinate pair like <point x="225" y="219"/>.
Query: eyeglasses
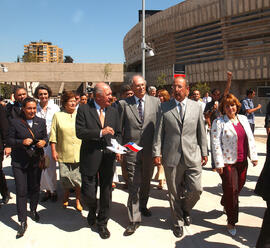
<point x="177" y="87"/>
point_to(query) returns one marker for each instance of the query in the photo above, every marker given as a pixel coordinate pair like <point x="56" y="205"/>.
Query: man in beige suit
<point x="138" y="121"/>
<point x="180" y="139"/>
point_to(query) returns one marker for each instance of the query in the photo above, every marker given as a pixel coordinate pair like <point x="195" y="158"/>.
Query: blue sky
<point x="89" y="31"/>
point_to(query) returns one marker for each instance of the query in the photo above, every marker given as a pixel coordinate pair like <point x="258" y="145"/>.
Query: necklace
<point x="234" y="121"/>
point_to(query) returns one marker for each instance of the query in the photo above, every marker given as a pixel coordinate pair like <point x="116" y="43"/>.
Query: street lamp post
<point x="145" y="48"/>
<point x="143" y="39"/>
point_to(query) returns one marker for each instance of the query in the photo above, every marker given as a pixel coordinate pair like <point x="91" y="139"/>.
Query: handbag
<point x="43" y="161"/>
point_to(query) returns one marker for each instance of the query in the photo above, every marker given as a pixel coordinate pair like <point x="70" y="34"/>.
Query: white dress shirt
<point x="183" y="106"/>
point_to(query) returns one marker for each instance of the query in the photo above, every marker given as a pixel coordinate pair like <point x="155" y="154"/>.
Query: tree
<point x="107" y="71"/>
<point x="29" y="57"/>
<point x="68" y="59"/>
<point x="161" y="80"/>
<point x="6" y="90"/>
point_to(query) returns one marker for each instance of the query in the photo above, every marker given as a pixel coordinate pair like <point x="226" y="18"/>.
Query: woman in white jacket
<point x="232" y="142"/>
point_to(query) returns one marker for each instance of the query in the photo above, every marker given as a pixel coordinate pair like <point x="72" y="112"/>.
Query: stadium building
<point x="204" y="39"/>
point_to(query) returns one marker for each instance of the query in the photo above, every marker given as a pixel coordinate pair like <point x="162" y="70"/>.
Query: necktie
<point x="140" y="110"/>
<point x="181" y="111"/>
<point x="101" y="117"/>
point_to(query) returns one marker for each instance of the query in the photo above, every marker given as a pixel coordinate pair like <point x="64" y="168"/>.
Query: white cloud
<point x="77" y="17"/>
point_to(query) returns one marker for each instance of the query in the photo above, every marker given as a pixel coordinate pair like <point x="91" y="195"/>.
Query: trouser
<point x="233" y="180"/>
<point x="184" y="189"/>
<point x="252" y="126"/>
<point x="3" y="182"/>
<point x="124" y="171"/>
<point x="140" y="171"/>
<point x="264" y="237"/>
<point x="27" y="183"/>
<point x="104" y="178"/>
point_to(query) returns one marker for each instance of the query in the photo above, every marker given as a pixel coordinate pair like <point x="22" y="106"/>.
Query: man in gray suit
<point x="138" y="121"/>
<point x="180" y="139"/>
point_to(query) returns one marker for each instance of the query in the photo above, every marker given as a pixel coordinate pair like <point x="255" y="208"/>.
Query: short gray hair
<point x="98" y="89"/>
<point x="150" y="88"/>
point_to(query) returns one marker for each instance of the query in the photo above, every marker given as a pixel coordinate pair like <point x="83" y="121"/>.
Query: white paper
<point x="116" y="147"/>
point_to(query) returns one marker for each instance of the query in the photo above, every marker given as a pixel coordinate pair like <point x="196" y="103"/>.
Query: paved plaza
<point x="66" y="228"/>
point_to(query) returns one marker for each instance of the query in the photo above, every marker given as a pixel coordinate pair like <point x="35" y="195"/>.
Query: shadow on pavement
<point x="252" y="178"/>
<point x="9" y="211"/>
<point x="71" y="219"/>
<point x="198" y="241"/>
<point x="159" y="218"/>
<point x="255" y="211"/>
<point x="245" y="235"/>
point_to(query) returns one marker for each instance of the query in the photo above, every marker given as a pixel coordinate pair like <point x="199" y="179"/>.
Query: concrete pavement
<point x="60" y="227"/>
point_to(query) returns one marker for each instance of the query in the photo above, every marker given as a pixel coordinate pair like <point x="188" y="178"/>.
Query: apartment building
<point x="44" y="52"/>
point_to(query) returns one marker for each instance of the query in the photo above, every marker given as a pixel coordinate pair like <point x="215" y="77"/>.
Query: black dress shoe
<point x="103" y="232"/>
<point x="21" y="230"/>
<point x="145" y="212"/>
<point x="178" y="231"/>
<point x="6" y="198"/>
<point x="131" y="228"/>
<point x="91" y="221"/>
<point x="46" y="197"/>
<point x="187" y="220"/>
<point x="34" y="216"/>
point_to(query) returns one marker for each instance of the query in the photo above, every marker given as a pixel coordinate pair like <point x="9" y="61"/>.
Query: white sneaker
<point x="232" y="231"/>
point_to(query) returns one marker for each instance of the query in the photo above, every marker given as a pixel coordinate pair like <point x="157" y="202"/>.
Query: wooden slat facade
<point x="208" y="37"/>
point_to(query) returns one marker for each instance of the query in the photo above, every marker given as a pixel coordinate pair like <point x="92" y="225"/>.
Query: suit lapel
<point x="35" y="126"/>
<point x="108" y="116"/>
<point x="133" y="107"/>
<point x="93" y="112"/>
<point x="230" y="125"/>
<point x="146" y="107"/>
<point x="188" y="110"/>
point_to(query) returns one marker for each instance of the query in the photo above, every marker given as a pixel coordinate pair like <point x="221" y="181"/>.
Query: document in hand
<point x="116" y="147"/>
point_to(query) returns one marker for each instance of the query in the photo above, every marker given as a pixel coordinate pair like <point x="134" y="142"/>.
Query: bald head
<point x="180" y="88"/>
<point x="138" y="86"/>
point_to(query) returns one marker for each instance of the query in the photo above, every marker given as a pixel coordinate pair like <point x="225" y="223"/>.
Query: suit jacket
<point x="13" y="111"/>
<point x="263" y="183"/>
<point x="175" y="138"/>
<point x="224" y="140"/>
<point x="3" y="128"/>
<point x="93" y="146"/>
<point x="133" y="130"/>
<point x="18" y="131"/>
<point x="267" y="116"/>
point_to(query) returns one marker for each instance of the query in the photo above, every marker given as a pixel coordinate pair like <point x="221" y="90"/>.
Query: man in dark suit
<point x="96" y="124"/>
<point x="14" y="110"/>
<point x="138" y="120"/>
<point x="3" y="150"/>
<point x="180" y="139"/>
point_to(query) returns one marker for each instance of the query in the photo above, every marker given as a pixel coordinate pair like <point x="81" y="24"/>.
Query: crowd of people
<point x="171" y="129"/>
